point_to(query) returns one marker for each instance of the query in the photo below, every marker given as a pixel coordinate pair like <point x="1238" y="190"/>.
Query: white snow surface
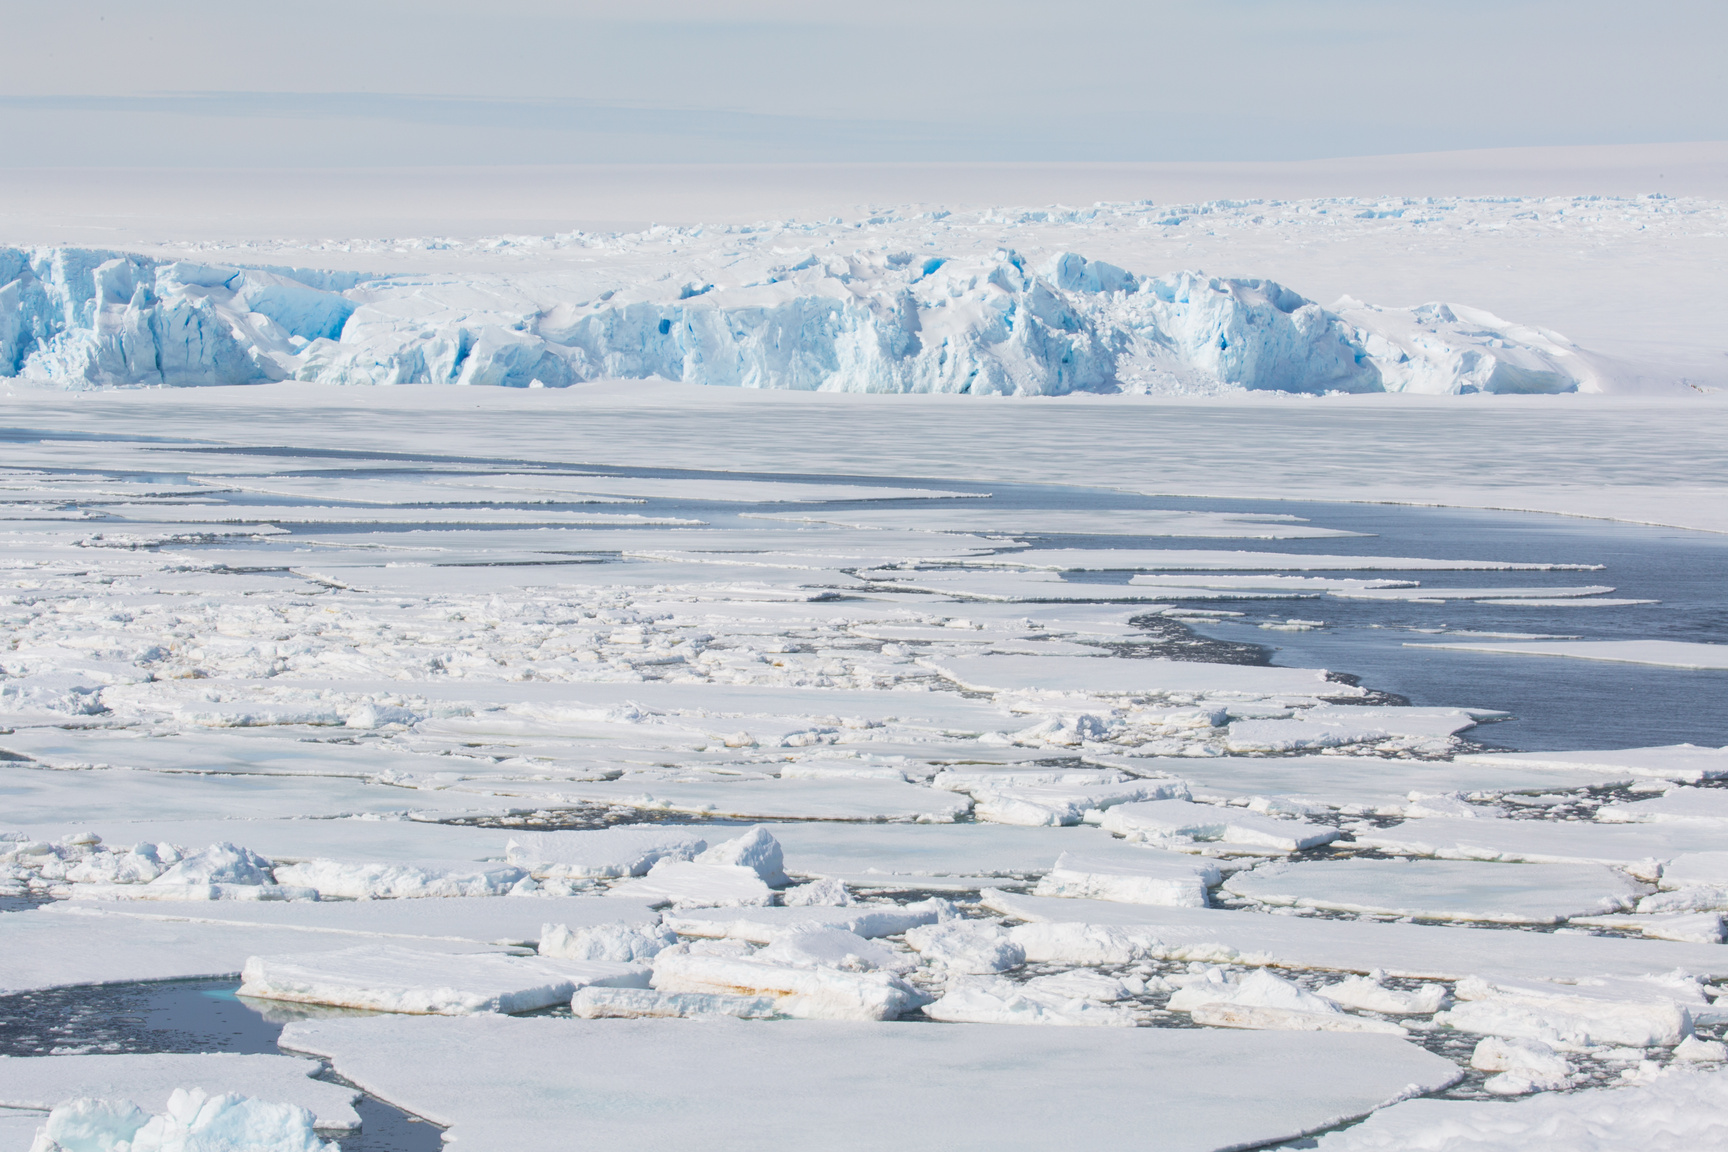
<point x="1677" y="1112"/>
<point x="194" y="1119"/>
<point x="505" y="1084"/>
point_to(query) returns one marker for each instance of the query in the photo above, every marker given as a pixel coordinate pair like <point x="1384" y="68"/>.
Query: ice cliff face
<point x="869" y="322"/>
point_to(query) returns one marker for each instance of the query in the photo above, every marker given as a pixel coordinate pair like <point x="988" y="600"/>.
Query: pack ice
<point x="868" y="321"/>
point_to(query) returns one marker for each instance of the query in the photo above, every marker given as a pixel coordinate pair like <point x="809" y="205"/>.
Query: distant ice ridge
<point x="890" y="322"/>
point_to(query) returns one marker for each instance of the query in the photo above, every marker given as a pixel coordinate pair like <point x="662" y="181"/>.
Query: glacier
<point x="874" y="321"/>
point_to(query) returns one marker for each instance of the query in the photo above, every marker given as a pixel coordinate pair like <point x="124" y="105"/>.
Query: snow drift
<point x="870" y="322"/>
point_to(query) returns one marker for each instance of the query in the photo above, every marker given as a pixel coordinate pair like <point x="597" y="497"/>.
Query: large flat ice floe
<point x="505" y="1084"/>
<point x="1662" y="653"/>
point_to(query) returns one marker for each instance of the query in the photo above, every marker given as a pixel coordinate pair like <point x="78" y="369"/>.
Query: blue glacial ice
<point x="869" y="322"/>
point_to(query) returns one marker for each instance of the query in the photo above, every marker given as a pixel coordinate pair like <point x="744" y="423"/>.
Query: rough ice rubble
<point x="194" y="1121"/>
<point x="869" y="322"/>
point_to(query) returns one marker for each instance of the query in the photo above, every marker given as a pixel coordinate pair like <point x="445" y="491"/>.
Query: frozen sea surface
<point x="1038" y="757"/>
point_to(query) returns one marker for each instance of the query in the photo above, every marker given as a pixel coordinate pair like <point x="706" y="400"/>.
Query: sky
<point x="322" y="83"/>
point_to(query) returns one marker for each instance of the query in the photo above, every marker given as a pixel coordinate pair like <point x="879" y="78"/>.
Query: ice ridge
<point x="869" y="322"/>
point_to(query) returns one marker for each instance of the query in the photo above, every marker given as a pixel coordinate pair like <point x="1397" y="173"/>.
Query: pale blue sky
<point x="360" y="82"/>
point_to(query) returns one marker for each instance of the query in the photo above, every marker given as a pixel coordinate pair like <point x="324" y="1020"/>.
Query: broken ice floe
<point x="385" y="978"/>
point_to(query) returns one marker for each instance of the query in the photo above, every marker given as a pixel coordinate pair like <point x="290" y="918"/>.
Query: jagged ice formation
<point x="868" y="322"/>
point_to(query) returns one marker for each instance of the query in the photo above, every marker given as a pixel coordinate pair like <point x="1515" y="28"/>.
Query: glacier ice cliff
<point x="867" y="322"/>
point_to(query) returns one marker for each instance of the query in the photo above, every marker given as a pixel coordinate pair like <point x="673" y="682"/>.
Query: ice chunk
<point x="400" y="881"/>
<point x="765" y="925"/>
<point x="689" y="884"/>
<point x="826" y="893"/>
<point x="602" y="853"/>
<point x="219" y="864"/>
<point x="998" y="1001"/>
<point x="1634" y="847"/>
<point x="968" y="946"/>
<point x="194" y="1120"/>
<point x="1369" y="995"/>
<point x="1182" y="820"/>
<point x="1167" y="878"/>
<point x="1442" y="889"/>
<point x="756" y="850"/>
<point x="1702" y="1051"/>
<point x="807" y="993"/>
<point x="41" y="1082"/>
<point x="1524" y="1066"/>
<point x="1091" y="944"/>
<point x="618" y="943"/>
<point x="630" y="1003"/>
<point x="1565" y="1017"/>
<point x="834" y="948"/>
<point x="385" y="978"/>
<point x="1058" y="805"/>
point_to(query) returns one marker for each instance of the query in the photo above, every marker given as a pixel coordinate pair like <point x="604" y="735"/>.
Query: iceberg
<point x="997" y="324"/>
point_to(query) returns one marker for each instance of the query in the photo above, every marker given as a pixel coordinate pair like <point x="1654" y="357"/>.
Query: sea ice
<point x="1150" y="877"/>
<point x="1566" y="1017"/>
<point x="1637" y="848"/>
<point x="1181" y="821"/>
<point x="987" y="1000"/>
<point x="385" y="978"/>
<point x="194" y="1120"/>
<point x="966" y="946"/>
<point x="619" y="942"/>
<point x="43" y="1082"/>
<point x="1441" y="889"/>
<point x="765" y="925"/>
<point x="1664" y="653"/>
<point x="812" y="993"/>
<point x="1682" y="762"/>
<point x="688" y="884"/>
<point x="591" y="1003"/>
<point x="604" y="852"/>
<point x="1677" y="1112"/>
<point x="1109" y="675"/>
<point x="504" y="1083"/>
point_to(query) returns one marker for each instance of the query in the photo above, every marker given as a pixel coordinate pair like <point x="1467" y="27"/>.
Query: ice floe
<point x="193" y="1119"/>
<point x="504" y="1083"/>
<point x="386" y="978"/>
<point x="1442" y="889"/>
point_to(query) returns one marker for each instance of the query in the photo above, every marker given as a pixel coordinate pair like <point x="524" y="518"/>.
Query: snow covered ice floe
<point x="1688" y="763"/>
<point x="1070" y="931"/>
<point x="1262" y="1000"/>
<point x="1679" y="1111"/>
<point x="1168" y="822"/>
<point x="807" y="992"/>
<point x="766" y="925"/>
<point x="43" y="1082"/>
<point x="600" y="853"/>
<point x="1663" y="653"/>
<point x="386" y="978"/>
<point x="1148" y="877"/>
<point x="993" y="1000"/>
<point x="194" y="1119"/>
<point x="1442" y="889"/>
<point x="504" y="1083"/>
<point x="1638" y="848"/>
